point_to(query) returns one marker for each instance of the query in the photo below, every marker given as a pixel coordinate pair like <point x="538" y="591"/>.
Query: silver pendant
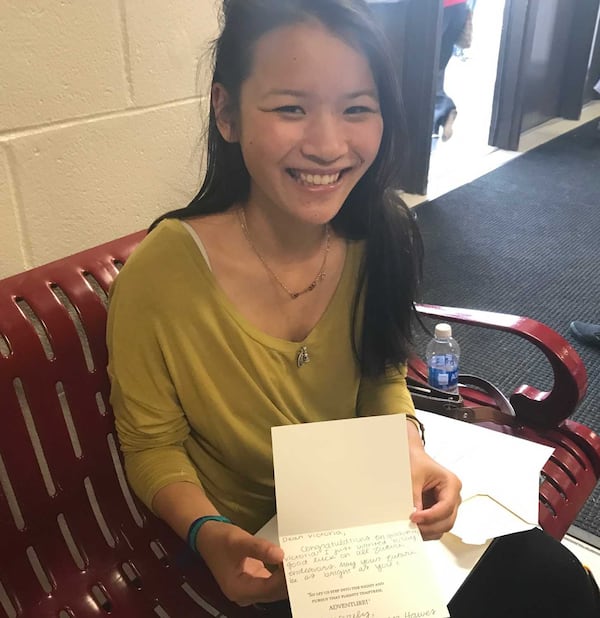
<point x="302" y="357"/>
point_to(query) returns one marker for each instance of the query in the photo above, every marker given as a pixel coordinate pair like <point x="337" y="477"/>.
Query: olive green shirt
<point x="196" y="388"/>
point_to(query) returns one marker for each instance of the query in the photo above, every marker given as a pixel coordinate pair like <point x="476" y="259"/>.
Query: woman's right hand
<point x="237" y="561"/>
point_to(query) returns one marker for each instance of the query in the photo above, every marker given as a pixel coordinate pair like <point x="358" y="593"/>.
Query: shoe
<point x="586" y="332"/>
<point x="448" y="124"/>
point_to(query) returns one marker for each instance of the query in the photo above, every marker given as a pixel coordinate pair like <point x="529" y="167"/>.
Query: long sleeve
<point x="385" y="395"/>
<point x="150" y="422"/>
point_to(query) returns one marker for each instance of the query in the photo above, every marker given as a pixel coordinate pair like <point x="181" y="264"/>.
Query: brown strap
<point x="480" y="414"/>
<point x="500" y="399"/>
<point x="452" y="405"/>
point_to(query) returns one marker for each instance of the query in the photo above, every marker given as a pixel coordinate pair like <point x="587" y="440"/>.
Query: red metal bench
<point x="74" y="542"/>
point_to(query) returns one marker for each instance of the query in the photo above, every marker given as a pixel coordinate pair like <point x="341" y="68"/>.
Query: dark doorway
<point x="543" y="65"/>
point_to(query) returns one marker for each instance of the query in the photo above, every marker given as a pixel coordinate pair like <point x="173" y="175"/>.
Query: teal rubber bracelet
<point x="198" y="523"/>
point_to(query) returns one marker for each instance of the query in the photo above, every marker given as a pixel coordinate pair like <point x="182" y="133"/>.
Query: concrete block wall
<point x="102" y="111"/>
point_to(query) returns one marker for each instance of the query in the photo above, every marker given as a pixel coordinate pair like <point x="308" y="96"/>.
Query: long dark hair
<point x="373" y="211"/>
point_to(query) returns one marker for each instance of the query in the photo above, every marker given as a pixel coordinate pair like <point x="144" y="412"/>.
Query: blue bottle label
<point x="443" y="372"/>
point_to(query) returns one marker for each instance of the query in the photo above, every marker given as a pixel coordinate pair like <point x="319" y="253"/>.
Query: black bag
<point x="430" y="399"/>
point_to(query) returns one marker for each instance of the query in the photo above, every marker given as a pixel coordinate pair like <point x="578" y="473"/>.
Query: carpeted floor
<point x="523" y="239"/>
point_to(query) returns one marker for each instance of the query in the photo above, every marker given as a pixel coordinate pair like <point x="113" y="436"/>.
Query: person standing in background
<point x="456" y="13"/>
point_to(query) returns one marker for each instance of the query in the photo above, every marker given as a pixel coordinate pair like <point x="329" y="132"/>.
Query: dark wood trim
<point x="581" y="36"/>
<point x="515" y="49"/>
<point x="421" y="66"/>
<point x="594" y="66"/>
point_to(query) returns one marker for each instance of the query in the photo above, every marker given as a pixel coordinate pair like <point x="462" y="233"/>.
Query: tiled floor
<point x="466" y="156"/>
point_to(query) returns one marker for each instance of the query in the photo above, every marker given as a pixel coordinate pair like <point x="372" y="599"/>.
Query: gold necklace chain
<point x="293" y="295"/>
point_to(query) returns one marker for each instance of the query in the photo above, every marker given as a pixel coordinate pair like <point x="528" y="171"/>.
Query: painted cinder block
<point x="169" y="48"/>
<point x="12" y="259"/>
<point x="91" y="182"/>
<point x="60" y="60"/>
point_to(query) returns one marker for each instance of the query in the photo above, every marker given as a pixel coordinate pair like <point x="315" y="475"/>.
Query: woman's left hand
<point x="436" y="494"/>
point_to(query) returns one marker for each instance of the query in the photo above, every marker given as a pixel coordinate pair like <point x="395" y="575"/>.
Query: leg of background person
<point x="453" y="22"/>
<point x="454" y="18"/>
<point x="527" y="575"/>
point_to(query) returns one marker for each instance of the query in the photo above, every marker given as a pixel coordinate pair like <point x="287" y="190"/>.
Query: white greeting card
<point x="344" y="500"/>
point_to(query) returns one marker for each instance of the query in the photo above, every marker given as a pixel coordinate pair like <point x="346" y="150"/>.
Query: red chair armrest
<point x="534" y="408"/>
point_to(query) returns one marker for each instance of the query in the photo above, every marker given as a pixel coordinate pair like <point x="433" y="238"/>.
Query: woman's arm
<point x="236" y="558"/>
<point x="436" y="490"/>
<point x="153" y="428"/>
<point x="179" y="504"/>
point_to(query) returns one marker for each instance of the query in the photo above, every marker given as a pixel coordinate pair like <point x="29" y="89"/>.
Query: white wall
<point x="102" y="107"/>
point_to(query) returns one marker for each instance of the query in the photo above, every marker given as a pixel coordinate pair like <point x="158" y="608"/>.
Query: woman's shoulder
<point x="163" y="249"/>
<point x="164" y="253"/>
<point x="156" y="243"/>
<point x="216" y="231"/>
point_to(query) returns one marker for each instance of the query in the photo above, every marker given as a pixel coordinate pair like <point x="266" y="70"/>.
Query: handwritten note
<point x="365" y="571"/>
<point x="344" y="499"/>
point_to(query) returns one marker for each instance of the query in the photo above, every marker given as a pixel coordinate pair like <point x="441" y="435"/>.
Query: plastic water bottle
<point x="443" y="354"/>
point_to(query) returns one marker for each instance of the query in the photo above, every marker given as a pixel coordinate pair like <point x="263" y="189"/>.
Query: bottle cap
<point x="443" y="331"/>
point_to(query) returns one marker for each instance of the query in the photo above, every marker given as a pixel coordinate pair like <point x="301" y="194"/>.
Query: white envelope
<point x="500" y="475"/>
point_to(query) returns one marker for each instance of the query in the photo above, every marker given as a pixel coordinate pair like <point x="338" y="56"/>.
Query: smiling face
<point x="309" y="123"/>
